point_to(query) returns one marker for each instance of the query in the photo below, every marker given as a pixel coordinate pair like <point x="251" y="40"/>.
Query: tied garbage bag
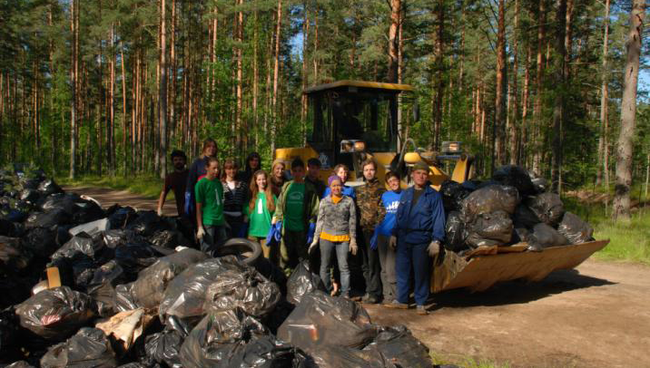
<point x="490" y="229"/>
<point x="524" y="217"/>
<point x="490" y="199"/>
<point x="42" y="241"/>
<point x="81" y="243"/>
<point x="321" y="320"/>
<point x="56" y="313"/>
<point x="575" y="230"/>
<point x="515" y="176"/>
<point x="89" y="348"/>
<point x="120" y="217"/>
<point x="49" y="219"/>
<point x="150" y="286"/>
<point x="169" y="239"/>
<point x="164" y="348"/>
<point x="301" y="282"/>
<point x="544" y="236"/>
<point x="398" y="345"/>
<point x="232" y="339"/>
<point x="185" y="294"/>
<point x="49" y="186"/>
<point x="102" y="287"/>
<point x="147" y="223"/>
<point x="242" y="287"/>
<point x="453" y="194"/>
<point x="455" y="233"/>
<point x="548" y="207"/>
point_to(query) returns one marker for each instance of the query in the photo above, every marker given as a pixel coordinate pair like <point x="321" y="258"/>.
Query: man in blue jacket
<point x="418" y="233"/>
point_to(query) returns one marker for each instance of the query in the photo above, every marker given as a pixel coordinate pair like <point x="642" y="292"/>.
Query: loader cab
<point x="351" y="118"/>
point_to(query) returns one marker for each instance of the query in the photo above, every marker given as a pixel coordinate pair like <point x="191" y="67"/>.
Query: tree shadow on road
<point x="518" y="291"/>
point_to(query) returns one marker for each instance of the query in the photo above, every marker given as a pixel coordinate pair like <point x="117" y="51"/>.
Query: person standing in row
<point x="390" y="201"/>
<point x="371" y="214"/>
<point x="277" y="177"/>
<point x="260" y="211"/>
<point x="336" y="230"/>
<point x="342" y="171"/>
<point x="419" y="231"/>
<point x="297" y="208"/>
<point x="253" y="164"/>
<point x="210" y="221"/>
<point x="235" y="200"/>
<point x="313" y="170"/>
<point x="197" y="170"/>
<point x="176" y="181"/>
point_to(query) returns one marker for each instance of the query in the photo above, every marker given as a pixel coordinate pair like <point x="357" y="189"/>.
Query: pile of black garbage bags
<point x="513" y="207"/>
<point x="135" y="293"/>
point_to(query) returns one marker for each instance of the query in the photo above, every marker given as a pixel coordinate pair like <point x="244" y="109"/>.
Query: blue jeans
<point x="415" y="257"/>
<point x="213" y="238"/>
<point x="326" y="248"/>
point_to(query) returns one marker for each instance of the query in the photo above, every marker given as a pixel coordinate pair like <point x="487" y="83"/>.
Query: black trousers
<point x="370" y="265"/>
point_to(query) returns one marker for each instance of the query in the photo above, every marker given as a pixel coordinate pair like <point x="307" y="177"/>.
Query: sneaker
<point x="369" y="299"/>
<point x="421" y="310"/>
<point x="396" y="305"/>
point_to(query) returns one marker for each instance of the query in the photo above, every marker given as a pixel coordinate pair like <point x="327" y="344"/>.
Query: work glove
<point x="310" y="232"/>
<point x="189" y="205"/>
<point x="353" y="246"/>
<point x="159" y="212"/>
<point x="200" y="233"/>
<point x="278" y="231"/>
<point x="313" y="246"/>
<point x="392" y="242"/>
<point x="434" y="248"/>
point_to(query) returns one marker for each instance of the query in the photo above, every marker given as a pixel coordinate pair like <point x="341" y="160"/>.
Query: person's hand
<point x="200" y="233"/>
<point x="159" y="212"/>
<point x="313" y="246"/>
<point x="392" y="242"/>
<point x="273" y="221"/>
<point x="434" y="248"/>
<point x="353" y="246"/>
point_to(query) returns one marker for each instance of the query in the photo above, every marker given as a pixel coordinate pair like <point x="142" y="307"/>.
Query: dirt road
<point x="595" y="316"/>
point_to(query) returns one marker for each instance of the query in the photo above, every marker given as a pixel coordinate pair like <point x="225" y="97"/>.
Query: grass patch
<point x="465" y="361"/>
<point x="146" y="186"/>
<point x="629" y="240"/>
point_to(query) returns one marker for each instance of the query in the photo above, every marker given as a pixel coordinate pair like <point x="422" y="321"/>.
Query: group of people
<point x="366" y="238"/>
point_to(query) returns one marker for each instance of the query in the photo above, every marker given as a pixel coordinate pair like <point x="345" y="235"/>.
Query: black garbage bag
<point x="49" y="187"/>
<point x="124" y="299"/>
<point x="47" y="219"/>
<point x="524" y="217"/>
<point x="87" y="211"/>
<point x="165" y="347"/>
<point x="10" y="228"/>
<point x="490" y="229"/>
<point x="271" y="272"/>
<point x="301" y="282"/>
<point x="453" y="194"/>
<point x="147" y="223"/>
<point x="490" y="199"/>
<point x="398" y="345"/>
<point x="102" y="287"/>
<point x="169" y="239"/>
<point x="341" y="356"/>
<point x="120" y="217"/>
<point x="455" y="232"/>
<point x="541" y="184"/>
<point x="42" y="241"/>
<point x="13" y="255"/>
<point x="89" y="348"/>
<point x="79" y="244"/>
<point x="135" y="257"/>
<point x="19" y="364"/>
<point x="321" y="320"/>
<point x="186" y="294"/>
<point x="520" y="234"/>
<point x="150" y="286"/>
<point x="55" y="313"/>
<point x="117" y="238"/>
<point x="64" y="201"/>
<point x="575" y="230"/>
<point x="8" y="331"/>
<point x="242" y="287"/>
<point x="14" y="290"/>
<point x="30" y="195"/>
<point x="548" y="207"/>
<point x="515" y="176"/>
<point x="232" y="339"/>
<point x="544" y="236"/>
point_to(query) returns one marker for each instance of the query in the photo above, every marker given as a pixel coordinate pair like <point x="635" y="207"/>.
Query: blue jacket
<point x="347" y="191"/>
<point x="197" y="170"/>
<point x="390" y="200"/>
<point x="423" y="223"/>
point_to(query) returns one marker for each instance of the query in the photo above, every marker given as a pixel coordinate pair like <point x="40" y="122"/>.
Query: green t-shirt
<point x="293" y="213"/>
<point x="209" y="193"/>
<point x="259" y="219"/>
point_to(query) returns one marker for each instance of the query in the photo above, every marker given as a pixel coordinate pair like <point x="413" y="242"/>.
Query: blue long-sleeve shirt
<point x="424" y="222"/>
<point x="347" y="191"/>
<point x="197" y="170"/>
<point x="390" y="201"/>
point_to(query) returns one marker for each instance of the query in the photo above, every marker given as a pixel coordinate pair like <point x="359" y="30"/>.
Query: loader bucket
<point x="480" y="272"/>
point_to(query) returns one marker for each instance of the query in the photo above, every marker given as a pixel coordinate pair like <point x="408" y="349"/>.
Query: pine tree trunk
<point x="125" y="130"/>
<point x="305" y="78"/>
<point x="624" y="151"/>
<point x="73" y="82"/>
<point x="558" y="104"/>
<point x="393" y="40"/>
<point x="603" y="163"/>
<point x="241" y="129"/>
<point x="537" y="109"/>
<point x="276" y="71"/>
<point x="162" y="99"/>
<point x="515" y="137"/>
<point x="499" y="126"/>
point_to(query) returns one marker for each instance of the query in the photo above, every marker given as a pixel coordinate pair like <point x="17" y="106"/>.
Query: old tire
<point x="249" y="251"/>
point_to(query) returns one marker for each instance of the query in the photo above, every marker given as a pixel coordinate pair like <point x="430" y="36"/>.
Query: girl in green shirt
<point x="260" y="210"/>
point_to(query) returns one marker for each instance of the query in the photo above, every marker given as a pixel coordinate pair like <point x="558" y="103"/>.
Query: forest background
<point x="110" y="87"/>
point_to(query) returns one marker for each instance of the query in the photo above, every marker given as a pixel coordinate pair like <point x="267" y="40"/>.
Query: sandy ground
<point x="597" y="315"/>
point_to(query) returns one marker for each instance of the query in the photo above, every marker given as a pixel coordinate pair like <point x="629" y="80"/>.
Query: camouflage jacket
<point x="371" y="210"/>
